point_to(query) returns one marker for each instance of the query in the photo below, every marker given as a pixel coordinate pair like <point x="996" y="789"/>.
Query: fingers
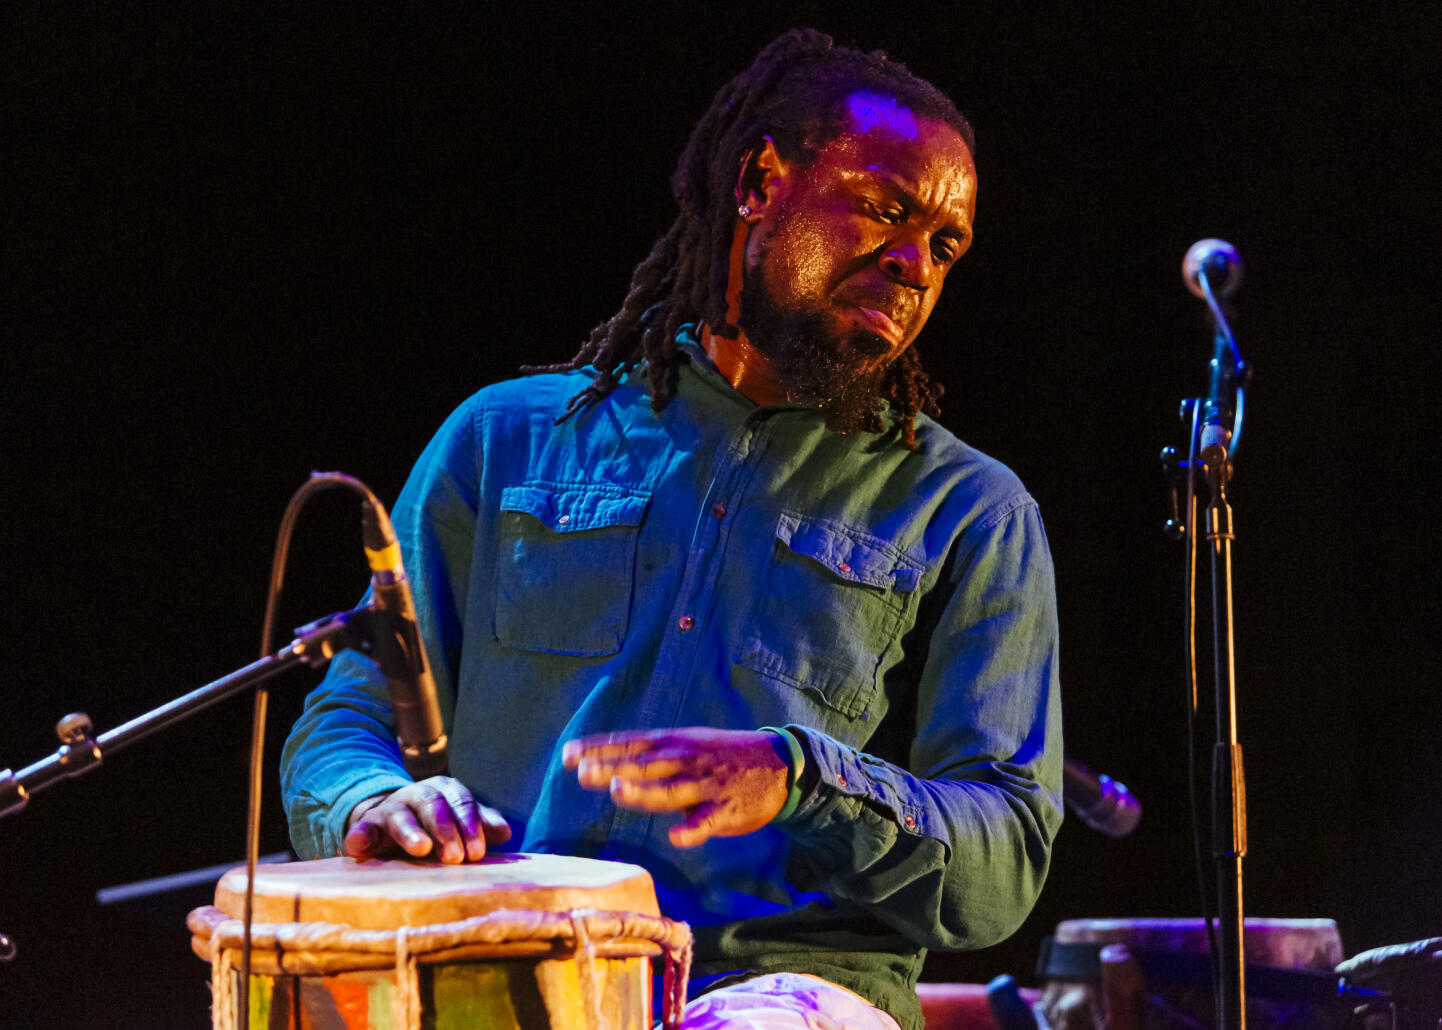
<point x="610" y="746"/>
<point x="452" y="818"/>
<point x="375" y="834"/>
<point x="662" y="795"/>
<point x="726" y="783"/>
<point x="494" y="827"/>
<point x="438" y="815"/>
<point x="597" y="773"/>
<point x="403" y="828"/>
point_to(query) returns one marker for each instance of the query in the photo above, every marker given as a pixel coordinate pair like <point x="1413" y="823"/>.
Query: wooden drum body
<point x="515" y="942"/>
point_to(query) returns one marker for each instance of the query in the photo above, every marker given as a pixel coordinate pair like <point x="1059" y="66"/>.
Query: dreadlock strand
<point x="712" y="283"/>
<point x="660" y="345"/>
<point x="912" y="393"/>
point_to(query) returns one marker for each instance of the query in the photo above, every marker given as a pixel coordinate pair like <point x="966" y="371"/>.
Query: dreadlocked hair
<point x="794" y="92"/>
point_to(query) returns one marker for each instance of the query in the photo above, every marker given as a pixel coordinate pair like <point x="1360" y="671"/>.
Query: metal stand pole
<point x="1229" y="814"/>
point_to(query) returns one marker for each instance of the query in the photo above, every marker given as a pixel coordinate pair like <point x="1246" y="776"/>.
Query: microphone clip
<point x="380" y="634"/>
<point x="392" y="641"/>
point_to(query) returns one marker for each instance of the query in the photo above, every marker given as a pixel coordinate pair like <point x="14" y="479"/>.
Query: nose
<point x="909" y="263"/>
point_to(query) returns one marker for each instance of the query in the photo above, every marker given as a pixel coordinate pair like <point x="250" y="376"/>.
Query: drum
<point x="1159" y="969"/>
<point x="514" y="942"/>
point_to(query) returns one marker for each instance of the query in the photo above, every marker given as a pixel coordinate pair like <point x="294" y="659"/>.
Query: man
<point x="716" y="597"/>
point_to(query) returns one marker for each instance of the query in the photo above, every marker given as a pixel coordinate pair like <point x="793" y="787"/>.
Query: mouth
<point x="879" y="323"/>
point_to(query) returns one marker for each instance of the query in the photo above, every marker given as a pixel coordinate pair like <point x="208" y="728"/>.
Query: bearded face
<point x="843" y="377"/>
<point x="849" y="252"/>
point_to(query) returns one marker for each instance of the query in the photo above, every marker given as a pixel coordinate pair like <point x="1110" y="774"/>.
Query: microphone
<point x="397" y="648"/>
<point x="1099" y="801"/>
<point x="1219" y="261"/>
<point x="1217" y="264"/>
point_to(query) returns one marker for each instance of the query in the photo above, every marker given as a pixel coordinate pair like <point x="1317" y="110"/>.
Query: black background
<point x="242" y="243"/>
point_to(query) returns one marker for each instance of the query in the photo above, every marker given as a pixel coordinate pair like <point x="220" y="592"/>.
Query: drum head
<point x="384" y="895"/>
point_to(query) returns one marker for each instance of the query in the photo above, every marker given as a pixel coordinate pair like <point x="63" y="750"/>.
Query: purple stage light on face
<point x="875" y="111"/>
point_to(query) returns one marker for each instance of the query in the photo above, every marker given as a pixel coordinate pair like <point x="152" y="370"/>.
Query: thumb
<point x="360" y="841"/>
<point x="698" y="827"/>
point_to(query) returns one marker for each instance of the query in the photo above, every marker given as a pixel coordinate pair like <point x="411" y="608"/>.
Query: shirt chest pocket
<point x="566" y="567"/>
<point x="829" y="613"/>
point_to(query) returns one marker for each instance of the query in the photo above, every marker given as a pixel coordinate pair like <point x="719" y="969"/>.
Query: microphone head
<point x="1221" y="263"/>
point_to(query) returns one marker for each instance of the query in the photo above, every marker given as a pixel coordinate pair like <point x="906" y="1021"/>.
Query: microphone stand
<point x="80" y="750"/>
<point x="1213" y="443"/>
<point x="1229" y="798"/>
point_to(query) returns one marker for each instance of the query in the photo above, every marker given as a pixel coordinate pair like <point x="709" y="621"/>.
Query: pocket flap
<point x="849" y="553"/>
<point x="569" y="508"/>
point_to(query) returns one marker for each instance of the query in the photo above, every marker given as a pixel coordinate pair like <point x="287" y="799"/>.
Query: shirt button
<point x="910" y="822"/>
<point x="718" y="509"/>
<point x="686" y="622"/>
<point x="563" y="520"/>
<point x="843" y="566"/>
<point x="841" y="780"/>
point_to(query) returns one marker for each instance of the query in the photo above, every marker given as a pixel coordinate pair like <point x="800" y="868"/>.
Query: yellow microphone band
<point x="388" y="557"/>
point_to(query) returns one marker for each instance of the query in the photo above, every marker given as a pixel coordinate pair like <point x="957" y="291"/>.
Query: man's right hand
<point x="438" y="814"/>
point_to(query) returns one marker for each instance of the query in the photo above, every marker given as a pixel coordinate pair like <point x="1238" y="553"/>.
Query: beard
<point x="842" y="377"/>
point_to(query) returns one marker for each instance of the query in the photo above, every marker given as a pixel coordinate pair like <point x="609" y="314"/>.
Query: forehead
<point x="880" y="138"/>
<point x="866" y="112"/>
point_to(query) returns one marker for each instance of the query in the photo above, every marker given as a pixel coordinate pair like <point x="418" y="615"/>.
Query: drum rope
<point x="309" y="948"/>
<point x="586" y="965"/>
<point x="222" y="1004"/>
<point x="406" y="999"/>
<point x="678" y="975"/>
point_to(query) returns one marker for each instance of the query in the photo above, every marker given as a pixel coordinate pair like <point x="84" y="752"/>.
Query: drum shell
<point x="504" y="994"/>
<point x="334" y="964"/>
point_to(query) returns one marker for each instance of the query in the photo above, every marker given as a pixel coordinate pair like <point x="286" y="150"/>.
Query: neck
<point x="746" y="368"/>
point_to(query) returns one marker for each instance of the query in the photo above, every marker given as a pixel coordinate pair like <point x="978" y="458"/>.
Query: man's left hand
<point x="727" y="782"/>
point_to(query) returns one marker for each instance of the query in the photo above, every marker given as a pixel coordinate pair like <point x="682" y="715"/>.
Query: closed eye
<point x="891" y="215"/>
<point x="946" y="249"/>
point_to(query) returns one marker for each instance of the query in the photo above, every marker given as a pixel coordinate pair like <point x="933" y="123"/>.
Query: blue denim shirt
<point x="724" y="564"/>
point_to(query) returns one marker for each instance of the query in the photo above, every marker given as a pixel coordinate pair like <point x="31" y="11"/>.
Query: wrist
<point x="788" y="749"/>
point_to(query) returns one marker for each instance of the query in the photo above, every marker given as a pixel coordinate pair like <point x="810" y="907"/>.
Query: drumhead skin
<point x="384" y="895"/>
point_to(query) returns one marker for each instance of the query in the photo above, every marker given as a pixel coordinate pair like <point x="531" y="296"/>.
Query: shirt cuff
<point x="846" y="779"/>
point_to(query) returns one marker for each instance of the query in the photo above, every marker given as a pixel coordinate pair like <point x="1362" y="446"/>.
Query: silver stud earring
<point x="744" y="210"/>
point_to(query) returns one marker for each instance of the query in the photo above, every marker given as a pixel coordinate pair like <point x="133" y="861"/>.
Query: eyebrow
<point x="908" y="197"/>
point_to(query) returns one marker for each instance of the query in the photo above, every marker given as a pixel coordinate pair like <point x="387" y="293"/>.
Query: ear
<point x="763" y="171"/>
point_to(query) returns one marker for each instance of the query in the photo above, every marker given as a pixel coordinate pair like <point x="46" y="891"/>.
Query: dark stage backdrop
<point x="243" y="242"/>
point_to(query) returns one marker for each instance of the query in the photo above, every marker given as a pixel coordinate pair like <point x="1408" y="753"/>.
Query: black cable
<point x="318" y="481"/>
